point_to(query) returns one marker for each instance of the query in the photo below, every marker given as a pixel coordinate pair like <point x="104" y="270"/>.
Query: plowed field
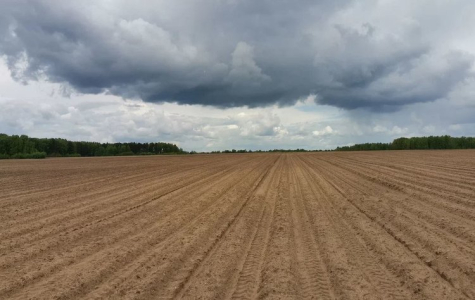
<point x="355" y="225"/>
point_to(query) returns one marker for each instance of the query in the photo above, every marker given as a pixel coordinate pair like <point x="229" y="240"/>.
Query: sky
<point x="222" y="74"/>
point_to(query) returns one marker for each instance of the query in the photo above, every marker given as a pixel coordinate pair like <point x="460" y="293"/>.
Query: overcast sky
<point x="221" y="74"/>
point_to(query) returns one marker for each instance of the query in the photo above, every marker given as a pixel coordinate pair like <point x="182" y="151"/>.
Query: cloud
<point x="232" y="54"/>
<point x="396" y="130"/>
<point x="244" y="72"/>
<point x="325" y="131"/>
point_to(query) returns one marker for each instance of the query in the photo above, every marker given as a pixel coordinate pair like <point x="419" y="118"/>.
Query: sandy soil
<point x="356" y="225"/>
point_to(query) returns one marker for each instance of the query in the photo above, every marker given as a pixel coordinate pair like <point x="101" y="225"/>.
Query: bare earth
<point x="356" y="225"/>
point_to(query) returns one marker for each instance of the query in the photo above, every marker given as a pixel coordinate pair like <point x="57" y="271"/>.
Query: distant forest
<point x="416" y="143"/>
<point x="22" y="146"/>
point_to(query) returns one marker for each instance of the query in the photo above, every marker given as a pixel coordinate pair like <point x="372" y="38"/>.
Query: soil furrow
<point x="327" y="225"/>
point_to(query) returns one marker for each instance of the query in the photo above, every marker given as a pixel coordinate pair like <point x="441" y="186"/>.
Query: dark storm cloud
<point x="227" y="53"/>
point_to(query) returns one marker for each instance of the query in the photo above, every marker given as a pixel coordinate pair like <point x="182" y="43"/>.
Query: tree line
<point x="416" y="143"/>
<point x="258" y="151"/>
<point x="22" y="146"/>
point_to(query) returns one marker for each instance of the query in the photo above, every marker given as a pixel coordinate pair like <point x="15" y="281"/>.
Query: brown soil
<point x="355" y="225"/>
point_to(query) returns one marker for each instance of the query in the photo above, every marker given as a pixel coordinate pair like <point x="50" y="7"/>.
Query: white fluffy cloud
<point x="325" y="131"/>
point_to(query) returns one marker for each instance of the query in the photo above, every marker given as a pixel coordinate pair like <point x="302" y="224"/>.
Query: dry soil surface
<point x="354" y="225"/>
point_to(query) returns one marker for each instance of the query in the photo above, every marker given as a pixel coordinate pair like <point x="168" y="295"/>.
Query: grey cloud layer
<point x="241" y="53"/>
